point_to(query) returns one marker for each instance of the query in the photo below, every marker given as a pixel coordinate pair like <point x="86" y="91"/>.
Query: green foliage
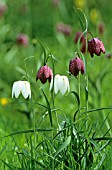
<point x="51" y="131"/>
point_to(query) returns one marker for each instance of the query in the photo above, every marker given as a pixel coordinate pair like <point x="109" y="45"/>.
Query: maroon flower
<point x="76" y="65"/>
<point x="22" y="39"/>
<point x="44" y="74"/>
<point x="3" y="9"/>
<point x="64" y="29"/>
<point x="95" y="46"/>
<point x="82" y="41"/>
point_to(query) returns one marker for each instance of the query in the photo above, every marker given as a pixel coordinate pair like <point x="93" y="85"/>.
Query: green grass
<point x="53" y="131"/>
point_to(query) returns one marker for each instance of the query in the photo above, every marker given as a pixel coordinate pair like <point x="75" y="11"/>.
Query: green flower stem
<point x="34" y="124"/>
<point x="79" y="90"/>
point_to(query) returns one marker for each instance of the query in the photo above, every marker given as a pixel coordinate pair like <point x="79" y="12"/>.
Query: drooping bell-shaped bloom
<point x="82" y="41"/>
<point x="95" y="46"/>
<point x="61" y="83"/>
<point x="45" y="73"/>
<point x="22" y="39"/>
<point x="75" y="66"/>
<point x="21" y="87"/>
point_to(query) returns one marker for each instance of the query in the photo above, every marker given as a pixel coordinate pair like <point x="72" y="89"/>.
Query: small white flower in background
<point x="61" y="83"/>
<point x="21" y="87"/>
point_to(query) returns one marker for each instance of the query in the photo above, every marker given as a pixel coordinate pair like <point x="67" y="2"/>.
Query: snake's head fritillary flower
<point x="22" y="39"/>
<point x="45" y="73"/>
<point x="61" y="83"/>
<point x="82" y="41"/>
<point x="21" y="87"/>
<point x="95" y="46"/>
<point x="75" y="66"/>
<point x="64" y="29"/>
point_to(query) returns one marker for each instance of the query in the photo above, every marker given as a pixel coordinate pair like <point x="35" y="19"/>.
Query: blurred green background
<point x="38" y="20"/>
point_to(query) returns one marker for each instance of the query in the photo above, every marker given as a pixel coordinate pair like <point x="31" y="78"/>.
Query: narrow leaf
<point x="49" y="109"/>
<point x="43" y="51"/>
<point x="77" y="97"/>
<point x="86" y="94"/>
<point x="63" y="146"/>
<point x="26" y="131"/>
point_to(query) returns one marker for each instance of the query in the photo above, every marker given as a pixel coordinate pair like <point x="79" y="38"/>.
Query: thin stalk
<point x="86" y="77"/>
<point x="79" y="91"/>
<point x="34" y="124"/>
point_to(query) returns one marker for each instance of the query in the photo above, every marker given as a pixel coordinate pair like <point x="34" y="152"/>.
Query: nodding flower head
<point x="21" y="87"/>
<point x="22" y="39"/>
<point x="75" y="66"/>
<point x="82" y="41"/>
<point x="61" y="83"/>
<point x="95" y="46"/>
<point x="44" y="73"/>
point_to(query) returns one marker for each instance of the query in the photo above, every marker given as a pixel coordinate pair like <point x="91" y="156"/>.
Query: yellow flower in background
<point x="80" y="3"/>
<point x="94" y="15"/>
<point x="3" y="101"/>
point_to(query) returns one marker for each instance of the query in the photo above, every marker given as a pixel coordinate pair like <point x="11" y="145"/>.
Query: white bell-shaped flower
<point x="21" y="87"/>
<point x="61" y="83"/>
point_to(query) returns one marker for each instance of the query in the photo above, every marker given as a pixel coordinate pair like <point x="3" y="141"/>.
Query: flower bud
<point x="95" y="46"/>
<point x="45" y="73"/>
<point x="75" y="66"/>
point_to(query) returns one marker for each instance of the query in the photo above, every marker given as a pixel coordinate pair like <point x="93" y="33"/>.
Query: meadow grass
<point x="55" y="131"/>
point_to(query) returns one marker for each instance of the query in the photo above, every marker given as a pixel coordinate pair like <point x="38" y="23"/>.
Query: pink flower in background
<point x="3" y="9"/>
<point x="45" y="73"/>
<point x="75" y="66"/>
<point x="22" y="39"/>
<point x="95" y="46"/>
<point x="82" y="41"/>
<point x="64" y="29"/>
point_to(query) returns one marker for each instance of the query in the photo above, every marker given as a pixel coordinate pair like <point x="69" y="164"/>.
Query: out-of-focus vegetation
<point x="39" y="24"/>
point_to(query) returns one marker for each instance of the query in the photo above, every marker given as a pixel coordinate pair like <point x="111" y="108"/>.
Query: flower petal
<point x="16" y="89"/>
<point x="21" y="87"/>
<point x="57" y="82"/>
<point x="64" y="85"/>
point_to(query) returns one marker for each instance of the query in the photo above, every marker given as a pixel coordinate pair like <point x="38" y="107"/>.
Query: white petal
<point x="64" y="86"/>
<point x="51" y="84"/>
<point x="57" y="82"/>
<point x="25" y="88"/>
<point x="28" y="89"/>
<point x="16" y="89"/>
<point x="21" y="87"/>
